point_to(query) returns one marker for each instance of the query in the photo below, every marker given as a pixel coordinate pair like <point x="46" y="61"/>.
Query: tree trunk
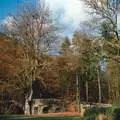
<point x="26" y="107"/>
<point x="62" y="100"/>
<point x="109" y="92"/>
<point x="28" y="103"/>
<point x="99" y="86"/>
<point x="2" y="100"/>
<point x="77" y="94"/>
<point x="86" y="91"/>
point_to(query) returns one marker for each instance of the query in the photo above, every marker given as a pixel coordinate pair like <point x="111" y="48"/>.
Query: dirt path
<point x="63" y="114"/>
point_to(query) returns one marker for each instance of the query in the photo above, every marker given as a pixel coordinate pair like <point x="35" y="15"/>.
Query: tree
<point x="65" y="47"/>
<point x="11" y="58"/>
<point x="82" y="47"/>
<point x="69" y="64"/>
<point x="89" y="50"/>
<point x="108" y="11"/>
<point x="34" y="29"/>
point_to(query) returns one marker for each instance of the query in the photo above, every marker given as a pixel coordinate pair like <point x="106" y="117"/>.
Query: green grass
<point x="47" y="119"/>
<point x="25" y="118"/>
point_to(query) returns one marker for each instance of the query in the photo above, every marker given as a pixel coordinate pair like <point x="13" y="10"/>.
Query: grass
<point x="51" y="118"/>
<point x="47" y="119"/>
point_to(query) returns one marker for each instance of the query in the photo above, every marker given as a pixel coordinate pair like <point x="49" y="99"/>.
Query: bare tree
<point x="107" y="10"/>
<point x="34" y="29"/>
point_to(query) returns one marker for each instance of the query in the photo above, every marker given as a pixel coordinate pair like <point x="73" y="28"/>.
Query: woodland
<point x="84" y="68"/>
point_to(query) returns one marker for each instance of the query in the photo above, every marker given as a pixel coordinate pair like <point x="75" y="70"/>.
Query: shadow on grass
<point x="3" y="118"/>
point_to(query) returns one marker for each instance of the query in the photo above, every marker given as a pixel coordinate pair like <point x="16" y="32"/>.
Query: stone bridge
<point x="46" y="106"/>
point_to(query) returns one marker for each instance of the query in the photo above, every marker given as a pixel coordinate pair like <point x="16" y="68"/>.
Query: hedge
<point x="113" y="112"/>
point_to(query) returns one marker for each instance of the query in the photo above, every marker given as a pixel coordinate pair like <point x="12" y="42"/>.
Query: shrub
<point x="114" y="113"/>
<point x="103" y="117"/>
<point x="90" y="118"/>
<point x="116" y="105"/>
<point x="95" y="111"/>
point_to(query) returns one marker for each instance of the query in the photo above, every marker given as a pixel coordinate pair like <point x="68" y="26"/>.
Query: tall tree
<point x="82" y="47"/>
<point x="108" y="13"/>
<point x="11" y="63"/>
<point x="34" y="29"/>
<point x="65" y="46"/>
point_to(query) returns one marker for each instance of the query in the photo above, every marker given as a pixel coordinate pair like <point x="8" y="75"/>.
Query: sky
<point x="69" y="12"/>
<point x="10" y="6"/>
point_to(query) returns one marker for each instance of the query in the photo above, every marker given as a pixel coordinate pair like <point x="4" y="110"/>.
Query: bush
<point x="95" y="111"/>
<point x="116" y="105"/>
<point x="114" y="113"/>
<point x="90" y="118"/>
<point x="103" y="117"/>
